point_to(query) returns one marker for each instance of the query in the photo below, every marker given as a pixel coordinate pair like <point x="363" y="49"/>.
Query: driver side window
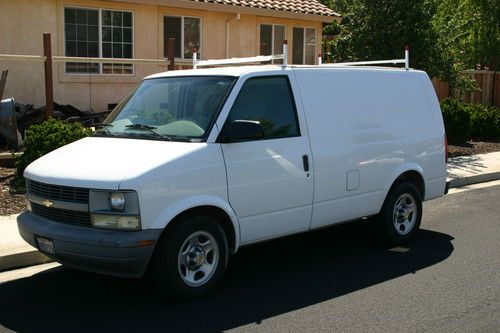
<point x="269" y="101"/>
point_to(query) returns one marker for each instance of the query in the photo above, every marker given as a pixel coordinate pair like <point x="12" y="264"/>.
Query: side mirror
<point x="241" y="130"/>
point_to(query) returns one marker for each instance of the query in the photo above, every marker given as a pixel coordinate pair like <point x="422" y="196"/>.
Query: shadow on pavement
<point x="472" y="164"/>
<point x="262" y="281"/>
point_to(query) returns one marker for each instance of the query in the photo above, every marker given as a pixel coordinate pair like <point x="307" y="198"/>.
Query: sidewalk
<point x="462" y="171"/>
<point x="467" y="170"/>
<point x="14" y="251"/>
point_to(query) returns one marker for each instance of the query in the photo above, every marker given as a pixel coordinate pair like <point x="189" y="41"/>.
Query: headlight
<point x="115" y="209"/>
<point x="117" y="201"/>
<point x="108" y="221"/>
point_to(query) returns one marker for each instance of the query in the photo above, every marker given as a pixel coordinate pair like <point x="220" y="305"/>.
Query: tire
<point x="401" y="213"/>
<point x="191" y="259"/>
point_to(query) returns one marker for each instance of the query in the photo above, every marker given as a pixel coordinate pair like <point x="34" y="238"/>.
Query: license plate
<point x="45" y="245"/>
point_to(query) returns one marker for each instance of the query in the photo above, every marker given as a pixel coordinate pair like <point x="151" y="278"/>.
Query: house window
<point x="187" y="34"/>
<point x="98" y="33"/>
<point x="271" y="40"/>
<point x="304" y="46"/>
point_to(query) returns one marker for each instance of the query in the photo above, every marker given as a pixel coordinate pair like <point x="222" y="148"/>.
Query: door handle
<point x="305" y="161"/>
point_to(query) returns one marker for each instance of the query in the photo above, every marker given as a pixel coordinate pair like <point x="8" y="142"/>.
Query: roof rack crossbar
<point x="234" y="61"/>
<point x="360" y="63"/>
<point x="405" y="61"/>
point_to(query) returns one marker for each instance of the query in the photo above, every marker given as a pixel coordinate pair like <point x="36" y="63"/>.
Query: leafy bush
<point x="485" y="122"/>
<point x="457" y="121"/>
<point x="46" y="137"/>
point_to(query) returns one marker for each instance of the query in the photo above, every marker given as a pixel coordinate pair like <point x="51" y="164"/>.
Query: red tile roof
<point x="312" y="7"/>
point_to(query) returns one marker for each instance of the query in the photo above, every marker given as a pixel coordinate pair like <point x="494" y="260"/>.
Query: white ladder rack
<point x="258" y="59"/>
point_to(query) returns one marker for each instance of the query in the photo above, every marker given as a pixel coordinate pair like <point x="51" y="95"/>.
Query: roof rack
<point x="233" y="61"/>
<point x="249" y="60"/>
<point x="259" y="59"/>
<point x="405" y="61"/>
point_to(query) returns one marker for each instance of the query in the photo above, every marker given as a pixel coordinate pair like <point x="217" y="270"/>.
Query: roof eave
<point x="237" y="9"/>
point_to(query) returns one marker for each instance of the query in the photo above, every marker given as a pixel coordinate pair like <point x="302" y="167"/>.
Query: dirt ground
<point x="12" y="202"/>
<point x="473" y="148"/>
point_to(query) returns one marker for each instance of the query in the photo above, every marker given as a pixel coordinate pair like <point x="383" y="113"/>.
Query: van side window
<point x="269" y="101"/>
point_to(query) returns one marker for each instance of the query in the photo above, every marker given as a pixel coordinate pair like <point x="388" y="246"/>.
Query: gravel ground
<point x="10" y="201"/>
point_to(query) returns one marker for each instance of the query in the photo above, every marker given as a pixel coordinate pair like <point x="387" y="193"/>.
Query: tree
<point x="445" y="36"/>
<point x="469" y="32"/>
<point x="380" y="29"/>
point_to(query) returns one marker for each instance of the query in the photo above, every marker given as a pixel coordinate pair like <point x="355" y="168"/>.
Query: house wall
<point x="24" y="22"/>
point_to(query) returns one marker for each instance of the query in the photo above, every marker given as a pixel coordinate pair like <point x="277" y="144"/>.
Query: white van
<point x="194" y="164"/>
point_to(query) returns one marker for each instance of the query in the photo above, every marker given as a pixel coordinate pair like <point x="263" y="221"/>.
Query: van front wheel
<point x="402" y="213"/>
<point x="191" y="258"/>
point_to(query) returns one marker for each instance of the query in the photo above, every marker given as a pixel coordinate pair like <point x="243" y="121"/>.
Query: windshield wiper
<point x="150" y="129"/>
<point x="102" y="126"/>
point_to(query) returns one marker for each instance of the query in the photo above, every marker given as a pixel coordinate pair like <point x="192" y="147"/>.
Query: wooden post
<point x="49" y="86"/>
<point x="494" y="82"/>
<point x="171" y="53"/>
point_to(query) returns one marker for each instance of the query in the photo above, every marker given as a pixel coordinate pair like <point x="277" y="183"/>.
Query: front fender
<point x="197" y="201"/>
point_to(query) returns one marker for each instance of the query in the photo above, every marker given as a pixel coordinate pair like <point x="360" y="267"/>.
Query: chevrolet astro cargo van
<point x="194" y="164"/>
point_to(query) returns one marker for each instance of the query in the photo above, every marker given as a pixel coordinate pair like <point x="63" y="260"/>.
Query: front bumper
<point x="111" y="252"/>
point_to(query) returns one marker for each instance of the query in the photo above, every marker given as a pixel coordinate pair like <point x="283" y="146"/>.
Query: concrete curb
<point x="22" y="259"/>
<point x="476" y="179"/>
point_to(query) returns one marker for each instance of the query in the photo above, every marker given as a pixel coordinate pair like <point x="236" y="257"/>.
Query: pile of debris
<point x="15" y="118"/>
<point x="27" y="115"/>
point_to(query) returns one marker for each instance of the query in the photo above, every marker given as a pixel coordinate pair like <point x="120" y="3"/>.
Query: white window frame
<point x="304" y="47"/>
<point x="99" y="10"/>
<point x="200" y="51"/>
<point x="273" y="51"/>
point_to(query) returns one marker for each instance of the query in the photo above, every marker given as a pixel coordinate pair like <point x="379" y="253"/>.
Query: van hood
<point x="102" y="163"/>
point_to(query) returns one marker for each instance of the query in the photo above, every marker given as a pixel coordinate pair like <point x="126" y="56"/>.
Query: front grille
<point x="62" y="215"/>
<point x="57" y="192"/>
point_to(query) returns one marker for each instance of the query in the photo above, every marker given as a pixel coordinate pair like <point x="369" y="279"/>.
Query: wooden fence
<point x="487" y="81"/>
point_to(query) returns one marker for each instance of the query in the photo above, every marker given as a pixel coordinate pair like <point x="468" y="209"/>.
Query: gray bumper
<point x="102" y="251"/>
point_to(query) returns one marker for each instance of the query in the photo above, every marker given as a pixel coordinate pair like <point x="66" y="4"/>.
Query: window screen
<point x="271" y="40"/>
<point x="187" y="34"/>
<point x="81" y="31"/>
<point x="267" y="100"/>
<point x="266" y="39"/>
<point x="310" y="46"/>
<point x="173" y="29"/>
<point x="304" y="46"/>
<point x="81" y="28"/>
<point x="116" y="40"/>
<point x="191" y="36"/>
<point x="298" y="46"/>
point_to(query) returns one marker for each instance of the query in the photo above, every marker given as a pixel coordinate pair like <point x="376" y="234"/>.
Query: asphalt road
<point x="338" y="279"/>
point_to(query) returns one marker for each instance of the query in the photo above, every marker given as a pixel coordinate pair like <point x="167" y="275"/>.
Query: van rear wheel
<point x="401" y="214"/>
<point x="191" y="258"/>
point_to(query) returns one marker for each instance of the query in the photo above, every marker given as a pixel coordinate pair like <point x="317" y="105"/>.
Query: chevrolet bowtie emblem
<point x="47" y="203"/>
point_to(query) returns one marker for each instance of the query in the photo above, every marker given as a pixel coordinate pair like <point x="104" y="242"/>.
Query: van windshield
<point x="172" y="109"/>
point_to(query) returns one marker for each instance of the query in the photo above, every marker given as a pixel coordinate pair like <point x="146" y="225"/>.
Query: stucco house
<point x="139" y="29"/>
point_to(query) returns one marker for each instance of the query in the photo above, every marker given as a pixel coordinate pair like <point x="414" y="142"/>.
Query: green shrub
<point x="485" y="122"/>
<point x="457" y="121"/>
<point x="46" y="137"/>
